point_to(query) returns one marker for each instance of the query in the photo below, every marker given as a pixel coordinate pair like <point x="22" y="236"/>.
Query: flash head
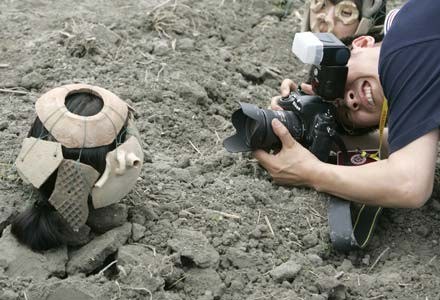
<point x="320" y="49"/>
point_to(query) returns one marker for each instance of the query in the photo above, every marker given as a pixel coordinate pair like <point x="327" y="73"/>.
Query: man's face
<point x="342" y="18"/>
<point x="362" y="103"/>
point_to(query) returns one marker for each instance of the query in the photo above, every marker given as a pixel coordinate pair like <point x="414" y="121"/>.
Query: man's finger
<point x="263" y="157"/>
<point x="307" y="88"/>
<point x="286" y="87"/>
<point x="274" y="103"/>
<point x="281" y="131"/>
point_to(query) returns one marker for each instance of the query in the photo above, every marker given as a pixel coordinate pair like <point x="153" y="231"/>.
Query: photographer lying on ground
<point x="344" y="17"/>
<point x="404" y="68"/>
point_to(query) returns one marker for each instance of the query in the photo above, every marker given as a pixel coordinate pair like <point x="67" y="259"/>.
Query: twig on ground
<point x="432" y="259"/>
<point x="339" y="275"/>
<point x="160" y="5"/>
<point x="195" y="148"/>
<point x="152" y="249"/>
<point x="313" y="273"/>
<point x="377" y="297"/>
<point x="315" y="212"/>
<point x="177" y="281"/>
<point x="258" y="218"/>
<point x="269" y="225"/>
<point x="160" y="71"/>
<point x="226" y="215"/>
<point x="401" y="284"/>
<point x="308" y="222"/>
<point x="107" y="267"/>
<point x="378" y="258"/>
<point x="13" y="92"/>
<point x="218" y="137"/>
<point x="25" y="296"/>
<point x="298" y="244"/>
<point x="4" y="65"/>
<point x="119" y="291"/>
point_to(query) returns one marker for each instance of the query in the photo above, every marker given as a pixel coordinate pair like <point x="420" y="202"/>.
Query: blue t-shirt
<point x="409" y="70"/>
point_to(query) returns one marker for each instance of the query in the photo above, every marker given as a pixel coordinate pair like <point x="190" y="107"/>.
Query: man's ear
<point x="364" y="41"/>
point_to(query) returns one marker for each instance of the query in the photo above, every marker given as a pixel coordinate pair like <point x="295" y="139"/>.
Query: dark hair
<point x="40" y="226"/>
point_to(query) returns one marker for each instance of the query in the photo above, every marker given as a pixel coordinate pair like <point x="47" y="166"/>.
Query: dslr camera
<point x="310" y="119"/>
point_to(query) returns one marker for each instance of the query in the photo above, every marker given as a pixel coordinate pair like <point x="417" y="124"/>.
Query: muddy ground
<point x="201" y="223"/>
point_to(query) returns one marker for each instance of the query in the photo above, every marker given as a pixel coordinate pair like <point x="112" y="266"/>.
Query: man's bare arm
<point x="405" y="179"/>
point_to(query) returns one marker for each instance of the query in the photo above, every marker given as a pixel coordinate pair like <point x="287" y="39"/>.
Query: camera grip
<point x="322" y="136"/>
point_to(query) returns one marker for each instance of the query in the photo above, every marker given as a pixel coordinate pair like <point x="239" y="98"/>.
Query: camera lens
<point x="250" y="128"/>
<point x="254" y="128"/>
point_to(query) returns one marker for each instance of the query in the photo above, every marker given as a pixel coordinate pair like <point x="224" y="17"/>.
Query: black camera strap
<point x="350" y="229"/>
<point x="345" y="234"/>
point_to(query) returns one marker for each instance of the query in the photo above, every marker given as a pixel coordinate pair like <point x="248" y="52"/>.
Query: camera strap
<point x="345" y="234"/>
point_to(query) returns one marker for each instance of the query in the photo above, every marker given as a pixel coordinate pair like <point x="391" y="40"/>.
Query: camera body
<point x="316" y="117"/>
<point x="309" y="118"/>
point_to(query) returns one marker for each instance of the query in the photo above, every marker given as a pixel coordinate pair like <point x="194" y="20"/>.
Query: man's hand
<point x="293" y="165"/>
<point x="286" y="87"/>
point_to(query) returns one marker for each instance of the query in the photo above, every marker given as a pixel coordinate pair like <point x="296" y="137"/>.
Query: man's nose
<point x="351" y="100"/>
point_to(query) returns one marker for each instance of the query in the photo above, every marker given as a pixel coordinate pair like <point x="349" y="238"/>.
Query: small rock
<point x="91" y="256"/>
<point x="9" y="295"/>
<point x="225" y="55"/>
<point x="286" y="271"/>
<point x="4" y="125"/>
<point x="346" y="265"/>
<point x="137" y="232"/>
<point x="181" y="174"/>
<point x="185" y="44"/>
<point x="104" y="219"/>
<point x="423" y="230"/>
<point x="161" y="47"/>
<point x="32" y="80"/>
<point x="199" y="282"/>
<point x="315" y="259"/>
<point x="73" y="293"/>
<point x="333" y="287"/>
<point x="193" y="247"/>
<point x="79" y="238"/>
<point x="20" y="261"/>
<point x="310" y="240"/>
<point x="366" y="260"/>
<point x="239" y="258"/>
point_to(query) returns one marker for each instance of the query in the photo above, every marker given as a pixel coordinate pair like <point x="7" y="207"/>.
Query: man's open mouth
<point x="368" y="93"/>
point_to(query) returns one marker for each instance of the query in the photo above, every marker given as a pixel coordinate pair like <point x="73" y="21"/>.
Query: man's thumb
<point x="281" y="131"/>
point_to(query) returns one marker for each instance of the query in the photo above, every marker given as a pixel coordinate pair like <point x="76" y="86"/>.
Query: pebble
<point x="286" y="271"/>
<point x="4" y="125"/>
<point x="137" y="232"/>
<point x="32" y="80"/>
<point x="9" y="295"/>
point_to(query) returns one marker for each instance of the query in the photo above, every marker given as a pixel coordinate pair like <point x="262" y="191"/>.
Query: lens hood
<point x="237" y="142"/>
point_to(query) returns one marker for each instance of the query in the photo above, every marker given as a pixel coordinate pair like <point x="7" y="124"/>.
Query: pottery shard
<point x="37" y="160"/>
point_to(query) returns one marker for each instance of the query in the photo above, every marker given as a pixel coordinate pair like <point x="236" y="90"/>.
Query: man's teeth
<point x="367" y="91"/>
